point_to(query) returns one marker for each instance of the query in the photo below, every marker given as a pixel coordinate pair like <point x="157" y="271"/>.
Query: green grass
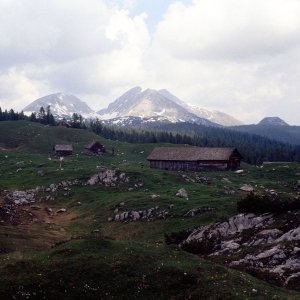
<point x="115" y="263"/>
<point x="93" y="268"/>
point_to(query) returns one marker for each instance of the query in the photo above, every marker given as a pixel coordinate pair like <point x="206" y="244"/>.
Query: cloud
<point x="237" y="56"/>
<point x="231" y="29"/>
<point x="75" y="46"/>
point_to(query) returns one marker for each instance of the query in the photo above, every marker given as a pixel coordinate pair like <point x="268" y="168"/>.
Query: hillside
<point x="282" y="133"/>
<point x="75" y="237"/>
<point x="254" y="148"/>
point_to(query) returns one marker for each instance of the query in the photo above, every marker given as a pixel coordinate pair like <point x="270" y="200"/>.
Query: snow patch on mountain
<point x="150" y="103"/>
<point x="214" y="115"/>
<point x="61" y="106"/>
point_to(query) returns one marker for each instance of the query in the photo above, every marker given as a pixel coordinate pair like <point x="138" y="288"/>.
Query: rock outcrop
<point x="108" y="177"/>
<point x="260" y="244"/>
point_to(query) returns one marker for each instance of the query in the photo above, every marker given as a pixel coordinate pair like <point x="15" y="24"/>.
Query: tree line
<point x="254" y="149"/>
<point x="43" y="116"/>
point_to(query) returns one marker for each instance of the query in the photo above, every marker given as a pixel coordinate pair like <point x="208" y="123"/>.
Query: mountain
<point x="273" y="121"/>
<point x="273" y="128"/>
<point x="150" y="104"/>
<point x="213" y="116"/>
<point x="61" y="106"/>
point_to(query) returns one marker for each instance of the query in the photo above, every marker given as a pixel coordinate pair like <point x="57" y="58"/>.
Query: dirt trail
<point x="36" y="226"/>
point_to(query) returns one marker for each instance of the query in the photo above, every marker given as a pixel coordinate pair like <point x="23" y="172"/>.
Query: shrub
<point x="263" y="203"/>
<point x="177" y="237"/>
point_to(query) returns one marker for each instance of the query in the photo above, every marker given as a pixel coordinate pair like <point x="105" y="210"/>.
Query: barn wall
<point x="234" y="162"/>
<point x="63" y="153"/>
<point x="188" y="165"/>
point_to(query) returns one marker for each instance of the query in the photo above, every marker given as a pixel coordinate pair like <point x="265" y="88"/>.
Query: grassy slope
<point x="121" y="256"/>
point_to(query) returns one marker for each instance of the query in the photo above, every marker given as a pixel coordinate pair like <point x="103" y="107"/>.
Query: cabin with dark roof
<point x="63" y="150"/>
<point x="95" y="148"/>
<point x="194" y="158"/>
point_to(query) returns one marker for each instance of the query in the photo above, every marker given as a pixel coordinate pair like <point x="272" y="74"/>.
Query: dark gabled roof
<point x="191" y="153"/>
<point x="90" y="145"/>
<point x="63" y="148"/>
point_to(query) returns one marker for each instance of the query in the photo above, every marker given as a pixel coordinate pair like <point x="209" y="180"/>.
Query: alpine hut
<point x="63" y="150"/>
<point x="194" y="158"/>
<point x="94" y="148"/>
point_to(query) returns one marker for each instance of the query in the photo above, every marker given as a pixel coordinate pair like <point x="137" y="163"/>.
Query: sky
<point x="241" y="57"/>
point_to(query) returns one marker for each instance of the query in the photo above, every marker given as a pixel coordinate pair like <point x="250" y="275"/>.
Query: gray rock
<point x="292" y="235"/>
<point x="182" y="193"/>
<point x="234" y="225"/>
<point x="40" y="173"/>
<point x="93" y="180"/>
<point x="247" y="188"/>
<point x="266" y="236"/>
<point x="135" y="215"/>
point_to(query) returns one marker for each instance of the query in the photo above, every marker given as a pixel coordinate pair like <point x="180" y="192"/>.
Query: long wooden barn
<point x="194" y="158"/>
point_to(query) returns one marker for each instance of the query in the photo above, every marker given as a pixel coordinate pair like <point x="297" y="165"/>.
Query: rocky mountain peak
<point x="61" y="105"/>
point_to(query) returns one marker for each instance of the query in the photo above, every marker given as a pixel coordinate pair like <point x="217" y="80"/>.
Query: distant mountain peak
<point x="62" y="105"/>
<point x="274" y="121"/>
<point x="150" y="103"/>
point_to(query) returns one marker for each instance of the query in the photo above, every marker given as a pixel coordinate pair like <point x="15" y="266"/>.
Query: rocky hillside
<point x="264" y="245"/>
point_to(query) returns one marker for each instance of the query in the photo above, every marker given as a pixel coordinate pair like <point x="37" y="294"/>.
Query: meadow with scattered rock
<point x="109" y="227"/>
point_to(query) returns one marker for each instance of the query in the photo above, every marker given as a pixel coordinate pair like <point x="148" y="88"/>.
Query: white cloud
<point x="239" y="56"/>
<point x="231" y="29"/>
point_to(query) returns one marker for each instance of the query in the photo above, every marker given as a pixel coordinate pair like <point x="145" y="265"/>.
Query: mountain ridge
<point x="161" y="103"/>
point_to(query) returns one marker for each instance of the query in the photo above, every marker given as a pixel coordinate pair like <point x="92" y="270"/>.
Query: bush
<point x="263" y="203"/>
<point x="177" y="237"/>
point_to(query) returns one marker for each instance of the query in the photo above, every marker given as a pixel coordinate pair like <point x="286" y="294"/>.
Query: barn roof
<point x="62" y="147"/>
<point x="90" y="145"/>
<point x="191" y="153"/>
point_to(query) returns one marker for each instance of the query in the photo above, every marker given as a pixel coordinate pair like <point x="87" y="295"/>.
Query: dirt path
<point x="34" y="227"/>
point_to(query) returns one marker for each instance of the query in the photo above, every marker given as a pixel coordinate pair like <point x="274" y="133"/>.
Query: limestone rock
<point x="247" y="188"/>
<point x="182" y="193"/>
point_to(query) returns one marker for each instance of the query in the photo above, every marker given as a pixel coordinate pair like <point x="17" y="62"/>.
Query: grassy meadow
<point x="81" y="255"/>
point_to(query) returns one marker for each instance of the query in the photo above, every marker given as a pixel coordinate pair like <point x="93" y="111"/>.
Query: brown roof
<point x="90" y="145"/>
<point x="191" y="153"/>
<point x="63" y="148"/>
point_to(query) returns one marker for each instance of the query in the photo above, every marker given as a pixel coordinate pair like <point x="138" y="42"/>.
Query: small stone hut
<point x="194" y="158"/>
<point x="63" y="150"/>
<point x="95" y="148"/>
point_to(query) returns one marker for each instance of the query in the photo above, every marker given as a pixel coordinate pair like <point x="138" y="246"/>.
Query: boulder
<point x="239" y="171"/>
<point x="182" y="193"/>
<point x="247" y="188"/>
<point x="93" y="180"/>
